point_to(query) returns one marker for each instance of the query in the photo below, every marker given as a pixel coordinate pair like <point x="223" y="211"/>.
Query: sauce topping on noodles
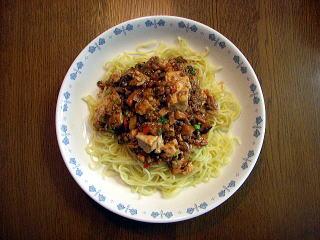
<point x="158" y="110"/>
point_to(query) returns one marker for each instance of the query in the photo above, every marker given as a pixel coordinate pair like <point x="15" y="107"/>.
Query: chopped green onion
<point x="191" y="70"/>
<point x="163" y="120"/>
<point x="197" y="126"/>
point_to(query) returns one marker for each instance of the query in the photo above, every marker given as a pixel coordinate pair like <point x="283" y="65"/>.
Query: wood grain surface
<point x="40" y="200"/>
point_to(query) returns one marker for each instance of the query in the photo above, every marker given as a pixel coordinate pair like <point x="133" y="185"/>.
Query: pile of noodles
<point x="207" y="161"/>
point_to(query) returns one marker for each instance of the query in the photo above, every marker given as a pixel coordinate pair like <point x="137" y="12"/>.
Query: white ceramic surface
<point x="72" y="114"/>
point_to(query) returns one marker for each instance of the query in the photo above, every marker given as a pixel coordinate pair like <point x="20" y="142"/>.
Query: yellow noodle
<point x="207" y="161"/>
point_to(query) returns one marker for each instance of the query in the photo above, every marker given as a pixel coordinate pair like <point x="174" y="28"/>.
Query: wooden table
<point x="39" y="198"/>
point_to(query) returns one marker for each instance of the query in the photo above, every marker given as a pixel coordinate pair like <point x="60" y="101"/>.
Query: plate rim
<point x="240" y="181"/>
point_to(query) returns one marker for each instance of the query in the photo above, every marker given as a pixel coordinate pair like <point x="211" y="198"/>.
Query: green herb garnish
<point x="163" y="120"/>
<point x="191" y="70"/>
<point x="197" y="126"/>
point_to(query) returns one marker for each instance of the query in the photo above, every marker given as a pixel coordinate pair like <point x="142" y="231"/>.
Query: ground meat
<point x="158" y="110"/>
<point x="187" y="130"/>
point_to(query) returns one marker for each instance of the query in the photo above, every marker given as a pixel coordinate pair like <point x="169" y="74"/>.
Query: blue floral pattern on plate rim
<point x="64" y="104"/>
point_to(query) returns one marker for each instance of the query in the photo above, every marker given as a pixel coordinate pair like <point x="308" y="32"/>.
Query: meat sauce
<point x="158" y="110"/>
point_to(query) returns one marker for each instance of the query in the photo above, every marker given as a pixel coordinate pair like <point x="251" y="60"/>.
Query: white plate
<point x="72" y="114"/>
